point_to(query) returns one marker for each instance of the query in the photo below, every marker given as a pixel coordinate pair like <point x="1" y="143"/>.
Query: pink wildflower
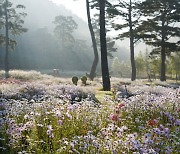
<point x="114" y="117"/>
<point x="119" y="106"/>
<point x="152" y="122"/>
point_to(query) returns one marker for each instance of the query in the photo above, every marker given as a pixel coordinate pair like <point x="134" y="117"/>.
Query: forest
<point x="109" y="84"/>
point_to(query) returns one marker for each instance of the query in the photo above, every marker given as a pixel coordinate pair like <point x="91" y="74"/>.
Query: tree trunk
<point x="163" y="65"/>
<point x="163" y="54"/>
<point x="96" y="56"/>
<point x="133" y="65"/>
<point x="104" y="61"/>
<point x="7" y="42"/>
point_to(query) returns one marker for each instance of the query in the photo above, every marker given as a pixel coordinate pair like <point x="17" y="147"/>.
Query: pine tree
<point x="65" y="26"/>
<point x="94" y="43"/>
<point x="126" y="10"/>
<point x="11" y="21"/>
<point x="104" y="61"/>
<point x="160" y="27"/>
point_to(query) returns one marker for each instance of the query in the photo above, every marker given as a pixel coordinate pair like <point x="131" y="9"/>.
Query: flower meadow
<point x="48" y="116"/>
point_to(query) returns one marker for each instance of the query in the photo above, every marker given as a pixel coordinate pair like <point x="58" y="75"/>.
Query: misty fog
<point x="39" y="49"/>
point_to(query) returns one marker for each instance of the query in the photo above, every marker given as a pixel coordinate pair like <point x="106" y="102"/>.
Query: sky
<point x="77" y="7"/>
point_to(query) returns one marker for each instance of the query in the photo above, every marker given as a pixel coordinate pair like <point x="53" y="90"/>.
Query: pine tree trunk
<point x="163" y="53"/>
<point x="104" y="61"/>
<point x="133" y="65"/>
<point x="7" y="43"/>
<point x="163" y="65"/>
<point x="96" y="56"/>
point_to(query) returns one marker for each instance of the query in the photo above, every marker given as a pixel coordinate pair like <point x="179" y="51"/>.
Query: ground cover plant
<point x="52" y="115"/>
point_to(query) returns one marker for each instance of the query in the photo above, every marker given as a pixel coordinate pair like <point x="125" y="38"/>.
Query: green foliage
<point x="155" y="64"/>
<point x="84" y="79"/>
<point x="161" y="24"/>
<point x="175" y="61"/>
<point x="140" y="64"/>
<point x="173" y="67"/>
<point x="128" y="12"/>
<point x="110" y="41"/>
<point x="160" y="27"/>
<point x="75" y="80"/>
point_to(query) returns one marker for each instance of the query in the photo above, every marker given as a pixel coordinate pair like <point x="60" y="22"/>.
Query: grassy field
<point x="44" y="114"/>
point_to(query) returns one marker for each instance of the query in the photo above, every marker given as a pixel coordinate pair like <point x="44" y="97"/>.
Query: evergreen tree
<point x="127" y="10"/>
<point x="104" y="61"/>
<point x="65" y="26"/>
<point x="109" y="41"/>
<point x="95" y="22"/>
<point x="160" y="27"/>
<point x="11" y="21"/>
<point x="94" y="43"/>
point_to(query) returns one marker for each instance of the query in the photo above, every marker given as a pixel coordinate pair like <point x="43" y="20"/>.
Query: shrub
<point x="75" y="80"/>
<point x="84" y="79"/>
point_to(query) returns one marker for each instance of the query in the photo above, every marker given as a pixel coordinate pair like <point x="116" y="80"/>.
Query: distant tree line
<point x="147" y="66"/>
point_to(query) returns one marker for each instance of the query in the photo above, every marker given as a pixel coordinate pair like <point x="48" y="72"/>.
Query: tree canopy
<point x="160" y="26"/>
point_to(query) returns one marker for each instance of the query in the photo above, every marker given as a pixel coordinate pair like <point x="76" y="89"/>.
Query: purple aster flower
<point x="177" y="122"/>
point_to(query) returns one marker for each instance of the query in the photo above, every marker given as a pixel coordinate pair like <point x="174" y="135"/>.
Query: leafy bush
<point x="84" y="79"/>
<point x="75" y="80"/>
